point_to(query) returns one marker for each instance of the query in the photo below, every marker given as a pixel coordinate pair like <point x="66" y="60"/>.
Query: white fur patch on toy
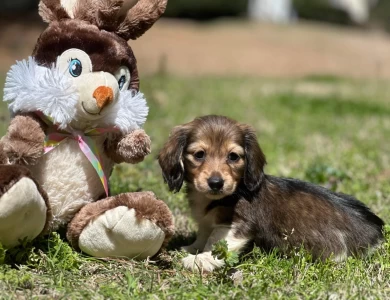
<point x="22" y="213"/>
<point x="30" y="88"/>
<point x="128" y="113"/>
<point x="118" y="232"/>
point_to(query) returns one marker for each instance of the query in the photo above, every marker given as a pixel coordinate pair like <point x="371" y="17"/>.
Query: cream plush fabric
<point x="79" y="184"/>
<point x="22" y="213"/>
<point x="119" y="232"/>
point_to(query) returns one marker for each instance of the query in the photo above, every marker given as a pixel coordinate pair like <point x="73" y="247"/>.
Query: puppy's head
<point x="214" y="154"/>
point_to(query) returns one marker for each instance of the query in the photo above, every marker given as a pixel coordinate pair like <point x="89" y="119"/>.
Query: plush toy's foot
<point x="24" y="209"/>
<point x="134" y="225"/>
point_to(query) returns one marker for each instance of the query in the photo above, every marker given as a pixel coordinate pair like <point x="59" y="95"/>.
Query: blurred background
<point x="271" y="38"/>
<point x="311" y="76"/>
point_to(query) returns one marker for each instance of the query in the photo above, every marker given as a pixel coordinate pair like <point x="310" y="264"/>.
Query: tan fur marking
<point x="215" y="163"/>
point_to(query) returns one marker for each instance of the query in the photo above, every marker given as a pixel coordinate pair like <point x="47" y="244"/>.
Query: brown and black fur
<point x="270" y="211"/>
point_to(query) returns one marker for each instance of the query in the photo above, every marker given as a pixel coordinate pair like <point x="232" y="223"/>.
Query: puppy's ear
<point x="254" y="159"/>
<point x="170" y="158"/>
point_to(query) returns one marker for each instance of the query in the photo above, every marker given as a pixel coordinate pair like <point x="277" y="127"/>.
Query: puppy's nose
<point x="215" y="183"/>
<point x="103" y="95"/>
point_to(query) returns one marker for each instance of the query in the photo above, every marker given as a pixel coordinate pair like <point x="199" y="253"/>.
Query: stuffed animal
<point x="76" y="111"/>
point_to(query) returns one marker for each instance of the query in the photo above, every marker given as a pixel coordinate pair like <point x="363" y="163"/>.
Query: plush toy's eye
<point x="122" y="81"/>
<point x="74" y="63"/>
<point x="75" y="67"/>
<point x="123" y="77"/>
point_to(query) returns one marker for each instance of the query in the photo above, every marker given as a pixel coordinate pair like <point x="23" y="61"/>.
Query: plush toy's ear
<point x="55" y="10"/>
<point x="139" y="18"/>
<point x="126" y="6"/>
<point x="127" y="18"/>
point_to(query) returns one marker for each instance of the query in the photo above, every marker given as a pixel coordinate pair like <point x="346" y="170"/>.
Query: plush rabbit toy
<point x="76" y="111"/>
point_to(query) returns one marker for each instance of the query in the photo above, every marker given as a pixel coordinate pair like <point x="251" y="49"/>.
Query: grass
<point x="329" y="130"/>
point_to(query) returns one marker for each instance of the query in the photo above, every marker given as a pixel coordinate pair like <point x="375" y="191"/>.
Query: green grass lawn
<point x="335" y="132"/>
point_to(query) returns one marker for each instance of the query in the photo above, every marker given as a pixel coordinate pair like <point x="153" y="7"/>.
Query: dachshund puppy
<point x="231" y="198"/>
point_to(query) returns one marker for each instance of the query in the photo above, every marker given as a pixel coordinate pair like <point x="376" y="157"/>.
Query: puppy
<point x="231" y="198"/>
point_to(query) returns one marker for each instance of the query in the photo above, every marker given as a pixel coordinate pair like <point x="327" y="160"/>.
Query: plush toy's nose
<point x="103" y="95"/>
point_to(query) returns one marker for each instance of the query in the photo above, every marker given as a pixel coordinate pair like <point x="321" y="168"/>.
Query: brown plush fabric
<point x="106" y="50"/>
<point x="131" y="148"/>
<point x="102" y="13"/>
<point x="3" y="155"/>
<point x="140" y="18"/>
<point x="111" y="147"/>
<point x="52" y="10"/>
<point x="112" y="15"/>
<point x="99" y="28"/>
<point x="146" y="205"/>
<point x="9" y="175"/>
<point x="23" y="143"/>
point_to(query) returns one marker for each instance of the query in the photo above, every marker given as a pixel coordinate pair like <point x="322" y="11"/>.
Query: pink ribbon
<point x="85" y="141"/>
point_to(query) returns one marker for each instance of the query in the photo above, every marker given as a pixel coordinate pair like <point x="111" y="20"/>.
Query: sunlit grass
<point x="328" y="130"/>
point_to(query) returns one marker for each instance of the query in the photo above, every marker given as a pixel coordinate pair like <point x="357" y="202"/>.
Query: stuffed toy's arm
<point x="130" y="148"/>
<point x="23" y="143"/>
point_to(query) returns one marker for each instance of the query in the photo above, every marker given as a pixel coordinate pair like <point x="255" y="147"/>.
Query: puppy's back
<point x="297" y="213"/>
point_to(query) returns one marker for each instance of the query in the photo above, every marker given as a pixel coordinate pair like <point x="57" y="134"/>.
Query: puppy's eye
<point x="233" y="157"/>
<point x="199" y="155"/>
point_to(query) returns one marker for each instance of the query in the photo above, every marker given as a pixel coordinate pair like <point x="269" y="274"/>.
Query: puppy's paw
<point x="193" y="249"/>
<point x="202" y="262"/>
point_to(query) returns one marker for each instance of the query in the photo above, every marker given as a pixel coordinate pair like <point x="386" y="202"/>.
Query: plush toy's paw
<point x="134" y="225"/>
<point x="202" y="262"/>
<point x="24" y="208"/>
<point x="24" y="141"/>
<point x="134" y="146"/>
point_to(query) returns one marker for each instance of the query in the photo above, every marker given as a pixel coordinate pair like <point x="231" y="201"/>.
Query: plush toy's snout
<point x="103" y="95"/>
<point x="97" y="91"/>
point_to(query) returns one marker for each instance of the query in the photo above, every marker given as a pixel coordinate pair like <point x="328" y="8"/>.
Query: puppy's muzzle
<point x="215" y="183"/>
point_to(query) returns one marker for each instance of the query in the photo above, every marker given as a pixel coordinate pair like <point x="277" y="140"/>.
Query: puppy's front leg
<point x="204" y="232"/>
<point x="205" y="261"/>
